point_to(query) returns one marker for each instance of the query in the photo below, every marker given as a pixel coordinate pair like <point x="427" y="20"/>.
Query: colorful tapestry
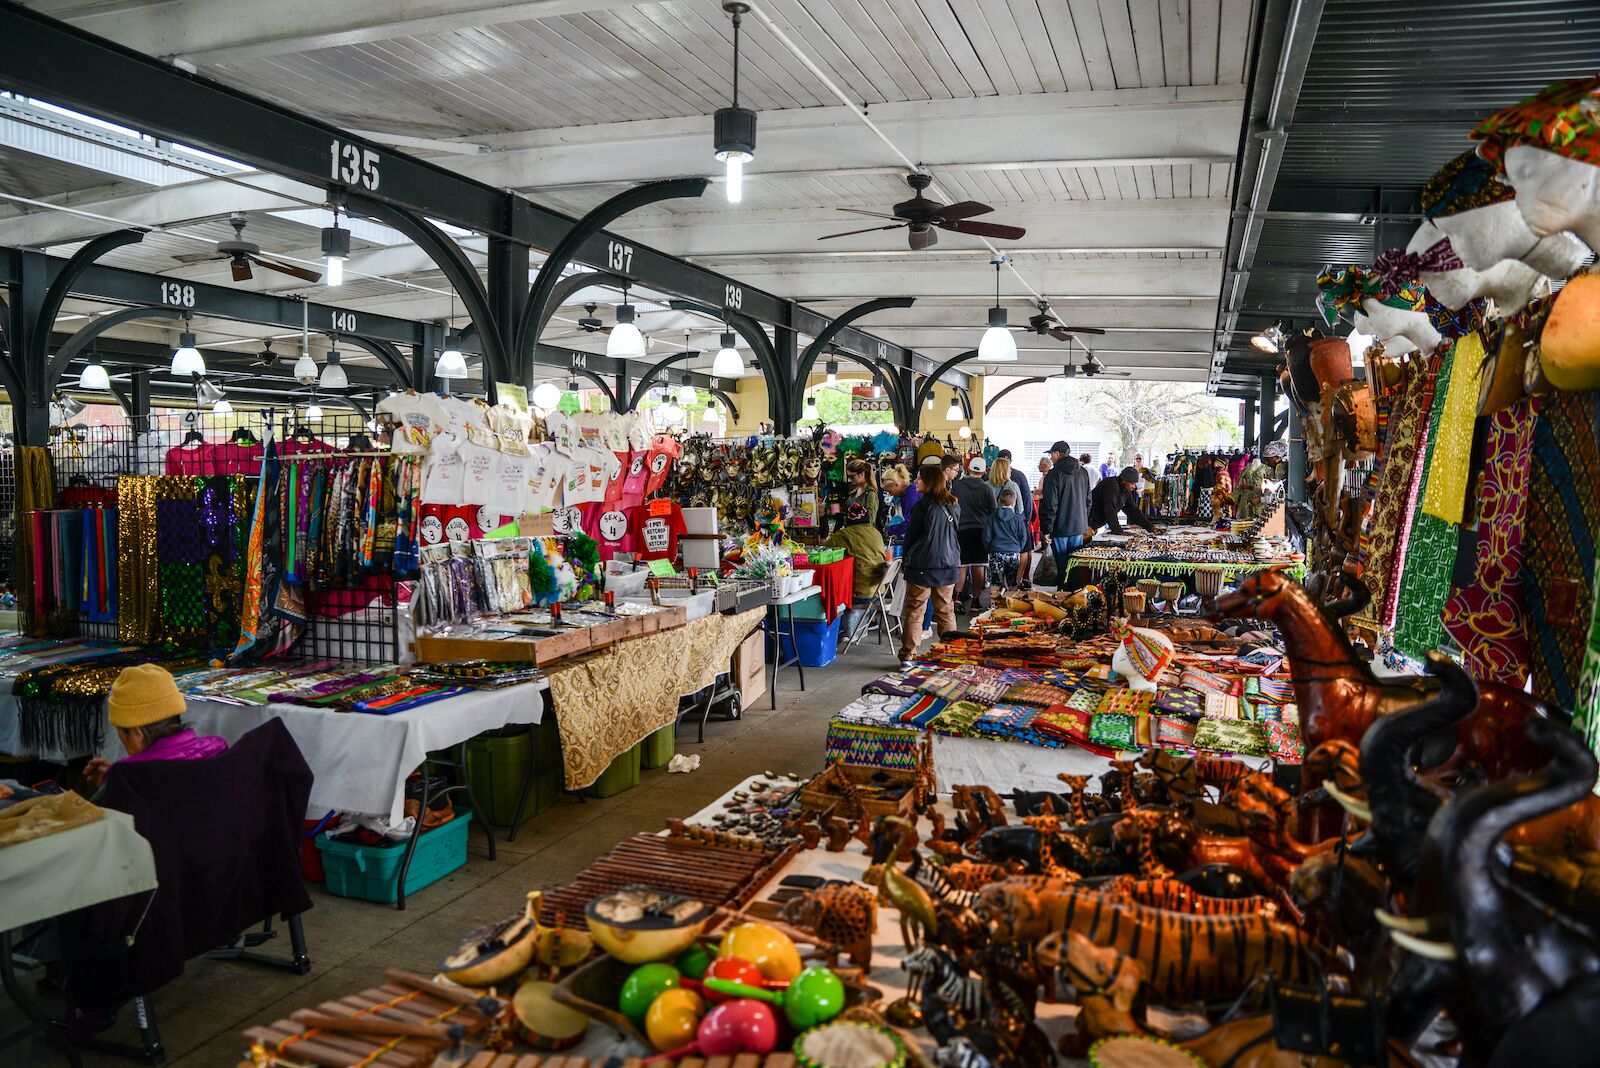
<point x="1202" y="681"/>
<point x="1231" y="736"/>
<point x="1064" y="722"/>
<point x="919" y="711"/>
<point x="1085" y="700"/>
<point x="1283" y="742"/>
<point x="873" y="747"/>
<point x="1450" y="450"/>
<point x="1132" y="702"/>
<point x="1115" y="729"/>
<point x="1173" y="730"/>
<point x="1563" y="523"/>
<point x="1033" y="693"/>
<point x="1006" y="721"/>
<point x="958" y="717"/>
<point x="1430" y="554"/>
<point x="1381" y="536"/>
<point x="1274" y="689"/>
<point x="1221" y="705"/>
<point x="1487" y="618"/>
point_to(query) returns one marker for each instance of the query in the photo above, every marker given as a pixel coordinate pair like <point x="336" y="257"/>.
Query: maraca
<point x="643" y="985"/>
<point x="673" y="1017"/>
<point x="734" y="1027"/>
<point x="816" y="996"/>
<point x="766" y="947"/>
<point x="731" y="970"/>
<point x="693" y="961"/>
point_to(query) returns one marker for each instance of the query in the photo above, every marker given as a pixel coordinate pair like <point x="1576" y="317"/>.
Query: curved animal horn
<point x="1351" y="804"/>
<point x="1386" y="747"/>
<point x="1424" y="947"/>
<point x="1359" y="598"/>
<point x="1409" y="924"/>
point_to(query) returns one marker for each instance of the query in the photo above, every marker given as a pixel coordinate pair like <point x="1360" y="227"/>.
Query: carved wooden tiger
<point x="1173" y="896"/>
<point x="1186" y="957"/>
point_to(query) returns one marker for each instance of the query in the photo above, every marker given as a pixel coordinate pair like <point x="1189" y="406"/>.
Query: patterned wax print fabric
<point x="1451" y="449"/>
<point x="1465" y="183"/>
<point x="1179" y="701"/>
<point x="1240" y="736"/>
<point x="1064" y="722"/>
<point x="1275" y="689"/>
<point x="1563" y="118"/>
<point x="1032" y="693"/>
<point x="1563" y="523"/>
<point x="1114" y="729"/>
<point x="1172" y="730"/>
<point x="1430" y="551"/>
<point x="1283" y="742"/>
<point x="1486" y="618"/>
<point x="1085" y="699"/>
<point x="1221" y="705"/>
<point x="919" y="711"/>
<point x="1150" y="651"/>
<point x="1381" y="535"/>
<point x="1131" y="702"/>
<point x="1586" y="705"/>
<point x="1204" y="681"/>
<point x="876" y="747"/>
<point x="1007" y="721"/>
<point x="1343" y="286"/>
<point x="946" y="684"/>
<point x="957" y="717"/>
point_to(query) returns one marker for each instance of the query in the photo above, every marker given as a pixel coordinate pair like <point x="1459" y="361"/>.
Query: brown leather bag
<point x="1505" y="354"/>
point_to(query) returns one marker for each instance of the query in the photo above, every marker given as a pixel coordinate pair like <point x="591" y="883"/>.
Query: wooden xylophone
<point x="721" y="875"/>
<point x="406" y="1023"/>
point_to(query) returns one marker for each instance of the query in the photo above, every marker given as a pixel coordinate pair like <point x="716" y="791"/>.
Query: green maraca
<point x="815" y="996"/>
<point x="642" y="987"/>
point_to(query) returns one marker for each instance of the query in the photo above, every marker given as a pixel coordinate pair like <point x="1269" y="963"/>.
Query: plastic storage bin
<point x="623" y="774"/>
<point x="818" y="642"/>
<point x="498" y="766"/>
<point x="656" y="751"/>
<point x="367" y="873"/>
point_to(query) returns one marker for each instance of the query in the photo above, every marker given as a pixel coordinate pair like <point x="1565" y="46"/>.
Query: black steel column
<point x="787" y="349"/>
<point x="1296" y="489"/>
<point x="1269" y="396"/>
<point x="1251" y="431"/>
<point x="507" y="285"/>
<point x="139" y="402"/>
<point x="30" y="420"/>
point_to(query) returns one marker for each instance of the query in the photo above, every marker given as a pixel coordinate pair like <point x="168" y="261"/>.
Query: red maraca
<point x="735" y="970"/>
<point x="734" y="1027"/>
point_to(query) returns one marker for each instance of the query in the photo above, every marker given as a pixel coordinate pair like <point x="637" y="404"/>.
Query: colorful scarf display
<point x="1382" y="538"/>
<point x="1430" y="552"/>
<point x="1465" y="183"/>
<point x="1451" y="448"/>
<point x="1487" y="617"/>
<point x="1346" y="285"/>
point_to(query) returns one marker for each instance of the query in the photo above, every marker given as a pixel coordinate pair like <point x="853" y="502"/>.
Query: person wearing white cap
<point x="977" y="499"/>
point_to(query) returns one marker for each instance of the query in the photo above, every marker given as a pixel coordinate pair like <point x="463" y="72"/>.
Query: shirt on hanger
<point x="511" y="481"/>
<point x="420" y="415"/>
<point x="634" y="482"/>
<point x="654" y="527"/>
<point x="443" y="470"/>
<point x="608" y="526"/>
<point x="480" y="463"/>
<point x="547" y="480"/>
<point x="448" y="522"/>
<point x="191" y="459"/>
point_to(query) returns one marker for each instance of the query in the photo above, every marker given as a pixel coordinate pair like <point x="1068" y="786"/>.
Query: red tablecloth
<point x="837" y="583"/>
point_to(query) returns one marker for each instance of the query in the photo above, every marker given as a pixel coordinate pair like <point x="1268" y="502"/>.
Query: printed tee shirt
<point x="420" y="415"/>
<point x="608" y="526"/>
<point x="442" y="471"/>
<point x="654" y="527"/>
<point x="634" y="480"/>
<point x="510" y="494"/>
<point x="480" y="462"/>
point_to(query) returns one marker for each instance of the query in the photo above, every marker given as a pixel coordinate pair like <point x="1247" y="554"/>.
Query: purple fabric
<point x="185" y="745"/>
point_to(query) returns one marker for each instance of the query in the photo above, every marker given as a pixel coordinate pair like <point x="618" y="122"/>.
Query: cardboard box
<point x="750" y="667"/>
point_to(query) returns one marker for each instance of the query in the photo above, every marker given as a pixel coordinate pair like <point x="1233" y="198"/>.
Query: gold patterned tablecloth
<point x="609" y="701"/>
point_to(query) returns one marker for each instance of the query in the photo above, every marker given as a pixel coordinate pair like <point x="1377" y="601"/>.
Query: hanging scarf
<point x="1465" y="183"/>
<point x="36" y="490"/>
<point x="138" y="574"/>
<point x="1384" y="541"/>
<point x="1342" y="286"/>
<point x="180" y="556"/>
<point x="272" y="618"/>
<point x="408" y="485"/>
<point x="97" y="600"/>
<point x="1451" y="447"/>
<point x="1563" y="523"/>
<point x="1430" y="552"/>
<point x="1487" y="617"/>
<point x="222" y="509"/>
<point x="60" y="708"/>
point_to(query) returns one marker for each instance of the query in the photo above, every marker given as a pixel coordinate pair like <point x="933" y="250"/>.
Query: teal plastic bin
<point x="656" y="751"/>
<point x="367" y="873"/>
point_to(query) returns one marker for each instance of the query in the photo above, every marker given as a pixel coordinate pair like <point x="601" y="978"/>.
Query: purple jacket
<point x="185" y="745"/>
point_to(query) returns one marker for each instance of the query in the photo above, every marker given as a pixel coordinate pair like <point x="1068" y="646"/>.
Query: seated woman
<point x="861" y="540"/>
<point x="147" y="710"/>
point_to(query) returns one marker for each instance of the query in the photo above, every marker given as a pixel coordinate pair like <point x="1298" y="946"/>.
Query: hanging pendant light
<point x="688" y="396"/>
<point x="710" y="414"/>
<point x="728" y="364"/>
<point x="333" y="374"/>
<point x="625" y="341"/>
<point x="546" y="396"/>
<point x="734" y="132"/>
<point x="186" y="359"/>
<point x="335" y="250"/>
<point x="70" y="406"/>
<point x="222" y="407"/>
<point x="954" y="415"/>
<point x="832" y="367"/>
<point x="94" y="376"/>
<point x="305" y="368"/>
<point x="964" y="433"/>
<point x="314" y="413"/>
<point x="997" y="346"/>
<point x="451" y="362"/>
<point x="810" y="411"/>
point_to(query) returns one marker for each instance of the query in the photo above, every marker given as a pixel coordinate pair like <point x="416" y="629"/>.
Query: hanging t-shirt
<point x="480" y="463"/>
<point x="634" y="482"/>
<point x="442" y="471"/>
<point x="420" y="415"/>
<point x="654" y="527"/>
<point x="448" y="522"/>
<point x="190" y="459"/>
<point x="662" y="452"/>
<point x="511" y="481"/>
<point x="614" y="477"/>
<point x="236" y="458"/>
<point x="610" y="529"/>
<point x="546" y="482"/>
<point x="462" y="412"/>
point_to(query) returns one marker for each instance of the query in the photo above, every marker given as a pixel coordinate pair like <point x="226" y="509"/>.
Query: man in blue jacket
<point x="1063" y="507"/>
<point x="1025" y="496"/>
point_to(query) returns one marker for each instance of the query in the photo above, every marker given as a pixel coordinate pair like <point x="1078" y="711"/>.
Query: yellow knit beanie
<point x="142" y="695"/>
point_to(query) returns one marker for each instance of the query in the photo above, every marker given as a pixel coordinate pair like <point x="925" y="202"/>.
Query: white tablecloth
<point x="83" y="866"/>
<point x="361" y="761"/>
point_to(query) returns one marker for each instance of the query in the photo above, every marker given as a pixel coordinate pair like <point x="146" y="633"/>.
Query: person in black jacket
<point x="932" y="559"/>
<point x="1025" y="497"/>
<point x="1113" y="495"/>
<point x="1063" y="507"/>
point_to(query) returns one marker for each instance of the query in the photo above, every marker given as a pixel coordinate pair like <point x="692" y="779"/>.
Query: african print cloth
<point x="1346" y="285"/>
<point x="1149" y="651"/>
<point x="1203" y="681"/>
<point x="1586" y="704"/>
<point x="1085" y="699"/>
<point x="946" y="685"/>
<point x="1241" y="736"/>
<point x="873" y="747"/>
<point x="1115" y="729"/>
<point x="1563" y="523"/>
<point x="1131" y="702"/>
<point x="1032" y="693"/>
<point x="1063" y="722"/>
<point x="1278" y="690"/>
<point x="1006" y="721"/>
<point x="1465" y="183"/>
<point x="1221" y="705"/>
<point x="1451" y="448"/>
<point x="919" y="711"/>
<point x="1430" y="550"/>
<point x="1283" y="741"/>
<point x="958" y="718"/>
<point x="1180" y="701"/>
<point x="1172" y="730"/>
<point x="1486" y="617"/>
<point x="1388" y="523"/>
<point x="1563" y="118"/>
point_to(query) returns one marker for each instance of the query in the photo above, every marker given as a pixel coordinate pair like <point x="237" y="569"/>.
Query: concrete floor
<point x="202" y="1014"/>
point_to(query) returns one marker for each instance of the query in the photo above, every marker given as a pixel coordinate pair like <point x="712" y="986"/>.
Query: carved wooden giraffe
<point x="1077" y="785"/>
<point x="1149" y="866"/>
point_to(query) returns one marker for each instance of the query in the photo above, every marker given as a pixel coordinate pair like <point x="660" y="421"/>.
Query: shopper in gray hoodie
<point x="977" y="500"/>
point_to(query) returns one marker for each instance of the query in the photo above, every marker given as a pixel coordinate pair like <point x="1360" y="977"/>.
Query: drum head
<point x="1140" y="1051"/>
<point x="849" y="1044"/>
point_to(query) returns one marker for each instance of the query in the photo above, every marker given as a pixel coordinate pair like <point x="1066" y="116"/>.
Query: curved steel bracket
<point x="599" y="380"/>
<point x="339" y="398"/>
<point x="1018" y="384"/>
<point x="387" y="355"/>
<point x="643" y="385"/>
<point x="458" y="271"/>
<point x="925" y="387"/>
<point x="820" y="343"/>
<point x="778" y="390"/>
<point x="56" y="293"/>
<point x="721" y="395"/>
<point x="881" y="373"/>
<point x="93" y="329"/>
<point x="966" y="404"/>
<point x="564" y="289"/>
<point x="534" y="314"/>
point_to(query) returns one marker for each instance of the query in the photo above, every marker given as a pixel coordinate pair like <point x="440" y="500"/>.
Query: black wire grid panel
<point x="353" y="621"/>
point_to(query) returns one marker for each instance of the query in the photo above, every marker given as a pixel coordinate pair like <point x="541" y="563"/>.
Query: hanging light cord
<point x="736" y="59"/>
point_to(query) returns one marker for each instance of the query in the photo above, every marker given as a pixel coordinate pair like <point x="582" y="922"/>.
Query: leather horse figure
<point x="1526" y="978"/>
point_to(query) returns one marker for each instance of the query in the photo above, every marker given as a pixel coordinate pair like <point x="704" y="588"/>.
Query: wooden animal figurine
<point x="838" y="832"/>
<point x="917" y="916"/>
<point x="1175" y="896"/>
<point x="978" y="809"/>
<point x="1077" y="803"/>
<point x="1524" y="979"/>
<point x="1188" y="957"/>
<point x="840" y="914"/>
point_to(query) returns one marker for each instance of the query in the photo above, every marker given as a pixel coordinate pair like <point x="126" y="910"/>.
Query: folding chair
<point x="876" y="610"/>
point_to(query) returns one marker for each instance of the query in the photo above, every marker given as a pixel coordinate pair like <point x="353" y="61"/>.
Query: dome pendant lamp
<point x="997" y="345"/>
<point x="624" y="341"/>
<point x="954" y="413"/>
<point x="734" y="134"/>
<point x="333" y="373"/>
<point x="186" y="359"/>
<point x="728" y="364"/>
<point x="94" y="376"/>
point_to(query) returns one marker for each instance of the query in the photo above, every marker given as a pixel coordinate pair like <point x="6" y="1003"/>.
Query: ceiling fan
<point x="266" y="357"/>
<point x="1091" y="368"/>
<point x="240" y="254"/>
<point x="1046" y="324"/>
<point x="925" y="218"/>
<point x="589" y="324"/>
